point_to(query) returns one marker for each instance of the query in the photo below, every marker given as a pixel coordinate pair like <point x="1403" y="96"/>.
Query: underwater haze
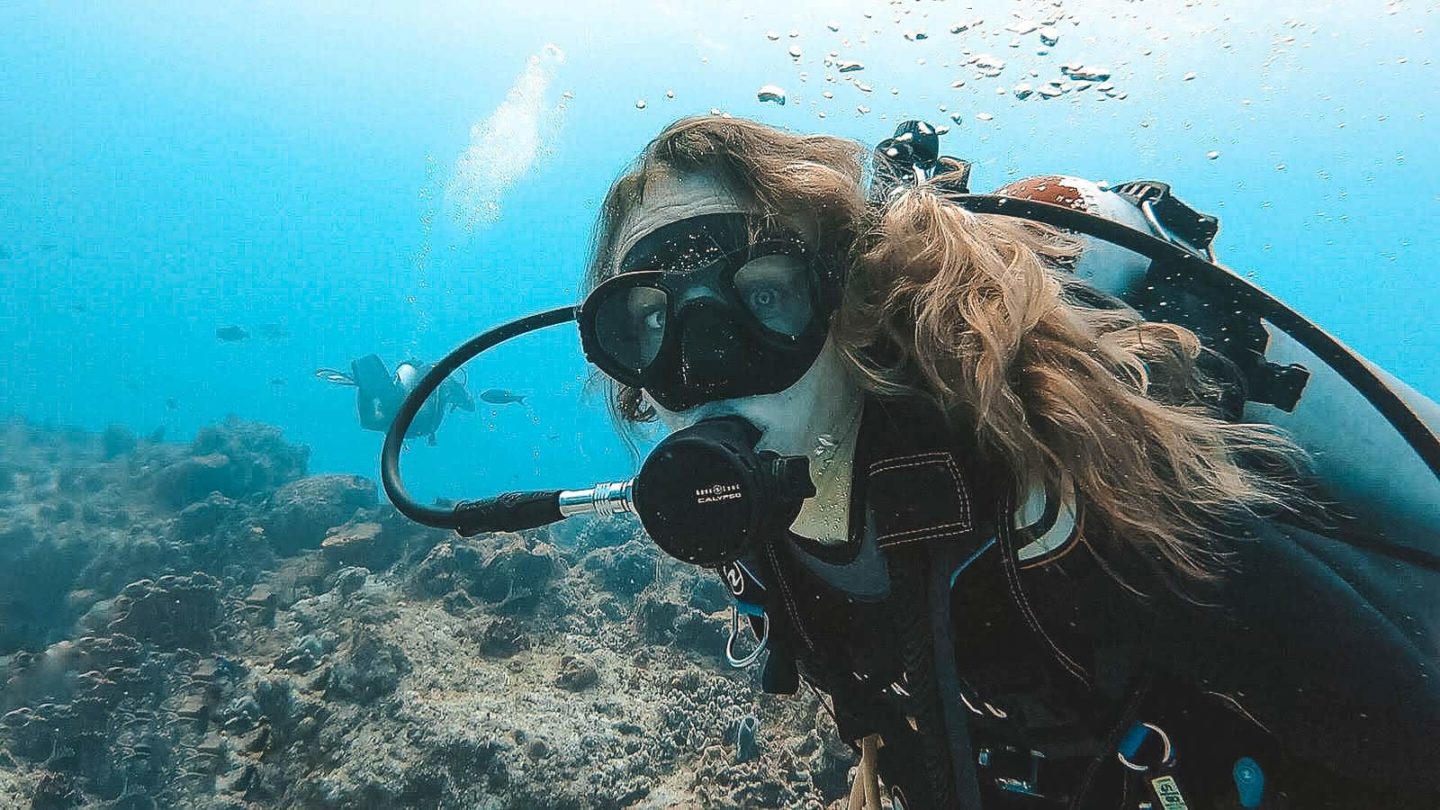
<point x="209" y="210"/>
<point x="393" y="178"/>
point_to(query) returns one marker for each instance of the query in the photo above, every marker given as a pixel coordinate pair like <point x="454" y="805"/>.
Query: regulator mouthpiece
<point x="706" y="496"/>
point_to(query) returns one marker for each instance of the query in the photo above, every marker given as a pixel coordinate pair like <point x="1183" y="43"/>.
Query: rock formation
<point x="207" y="626"/>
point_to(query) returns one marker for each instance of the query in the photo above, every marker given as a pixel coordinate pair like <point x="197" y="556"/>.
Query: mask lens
<point x="776" y="290"/>
<point x="630" y="325"/>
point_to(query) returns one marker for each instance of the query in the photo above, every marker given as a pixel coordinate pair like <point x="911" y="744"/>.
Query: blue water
<point x="167" y="169"/>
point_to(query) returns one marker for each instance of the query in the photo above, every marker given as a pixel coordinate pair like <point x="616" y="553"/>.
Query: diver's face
<point x="790" y="420"/>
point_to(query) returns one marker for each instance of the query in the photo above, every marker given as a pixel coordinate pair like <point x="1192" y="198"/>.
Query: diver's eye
<point x="762" y="300"/>
<point x="654" y="320"/>
<point x="775" y="289"/>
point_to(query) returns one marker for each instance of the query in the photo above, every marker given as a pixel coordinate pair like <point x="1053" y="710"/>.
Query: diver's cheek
<point x="782" y="422"/>
<point x="757" y="410"/>
<point x="672" y="420"/>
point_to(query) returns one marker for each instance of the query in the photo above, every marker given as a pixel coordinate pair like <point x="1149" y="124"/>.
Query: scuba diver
<point x="1051" y="508"/>
<point x="378" y="394"/>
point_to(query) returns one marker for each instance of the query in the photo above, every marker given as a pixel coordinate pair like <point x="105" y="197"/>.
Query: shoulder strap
<point x="929" y="518"/>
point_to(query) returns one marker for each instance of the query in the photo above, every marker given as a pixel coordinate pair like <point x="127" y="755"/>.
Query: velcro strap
<point x="919" y="497"/>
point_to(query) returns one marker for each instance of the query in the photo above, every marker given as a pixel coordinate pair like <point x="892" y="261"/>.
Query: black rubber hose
<point x="510" y="511"/>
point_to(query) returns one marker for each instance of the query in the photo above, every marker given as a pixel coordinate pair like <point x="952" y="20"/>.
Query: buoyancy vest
<point x="1001" y="665"/>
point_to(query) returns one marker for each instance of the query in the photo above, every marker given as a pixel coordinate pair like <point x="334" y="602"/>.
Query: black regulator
<point x="705" y="495"/>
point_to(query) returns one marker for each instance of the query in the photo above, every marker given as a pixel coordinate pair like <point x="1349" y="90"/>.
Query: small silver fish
<point x="231" y="334"/>
<point x="499" y="396"/>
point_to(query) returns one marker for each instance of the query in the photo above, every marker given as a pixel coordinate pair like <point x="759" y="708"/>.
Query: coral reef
<point x="205" y="626"/>
<point x="299" y="514"/>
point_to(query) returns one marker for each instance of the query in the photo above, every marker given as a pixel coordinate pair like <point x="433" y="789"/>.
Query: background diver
<point x="378" y="394"/>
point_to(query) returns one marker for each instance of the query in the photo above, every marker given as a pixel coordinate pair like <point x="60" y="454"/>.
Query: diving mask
<point x="717" y="306"/>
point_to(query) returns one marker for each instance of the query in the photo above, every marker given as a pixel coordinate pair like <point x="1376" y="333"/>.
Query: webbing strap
<point x="944" y="558"/>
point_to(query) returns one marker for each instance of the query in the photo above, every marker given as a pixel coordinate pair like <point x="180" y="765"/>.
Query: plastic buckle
<point x="739" y="662"/>
<point x="1249" y="782"/>
<point x="1014" y="771"/>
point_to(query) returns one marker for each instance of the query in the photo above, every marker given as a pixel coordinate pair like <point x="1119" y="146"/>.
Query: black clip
<point x="1273" y="384"/>
<point x="913" y="157"/>
<point x="1012" y="769"/>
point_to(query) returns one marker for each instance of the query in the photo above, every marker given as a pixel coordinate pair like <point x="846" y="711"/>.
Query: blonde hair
<point x="974" y="314"/>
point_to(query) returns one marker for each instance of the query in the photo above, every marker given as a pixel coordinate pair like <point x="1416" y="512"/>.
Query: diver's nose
<point x="709" y="347"/>
<point x="697" y="293"/>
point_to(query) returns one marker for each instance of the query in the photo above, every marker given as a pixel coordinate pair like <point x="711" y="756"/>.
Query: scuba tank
<point x="1374" y="442"/>
<point x="1370" y="467"/>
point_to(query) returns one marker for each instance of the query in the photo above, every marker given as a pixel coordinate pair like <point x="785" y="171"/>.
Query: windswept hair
<point x="974" y="313"/>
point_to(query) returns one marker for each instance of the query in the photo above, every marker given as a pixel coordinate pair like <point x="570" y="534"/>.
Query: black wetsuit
<point x="1006" y="670"/>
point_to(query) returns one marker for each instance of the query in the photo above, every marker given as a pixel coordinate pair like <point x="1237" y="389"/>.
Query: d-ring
<point x="1167" y="751"/>
<point x="735" y="661"/>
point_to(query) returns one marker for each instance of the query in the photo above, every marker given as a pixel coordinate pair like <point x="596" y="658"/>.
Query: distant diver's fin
<point x="370" y="374"/>
<point x="330" y="375"/>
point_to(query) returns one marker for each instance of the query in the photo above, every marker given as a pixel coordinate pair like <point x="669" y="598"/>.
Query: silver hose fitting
<point x="605" y="499"/>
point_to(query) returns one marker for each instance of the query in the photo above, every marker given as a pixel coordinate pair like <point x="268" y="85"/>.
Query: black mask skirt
<point x="718" y="306"/>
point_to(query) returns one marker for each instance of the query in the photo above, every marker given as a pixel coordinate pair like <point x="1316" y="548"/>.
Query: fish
<point x="274" y="331"/>
<point x="330" y="375"/>
<point x="278" y="382"/>
<point x="5" y="254"/>
<point x="171" y="404"/>
<point x="499" y="396"/>
<point x="231" y="334"/>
